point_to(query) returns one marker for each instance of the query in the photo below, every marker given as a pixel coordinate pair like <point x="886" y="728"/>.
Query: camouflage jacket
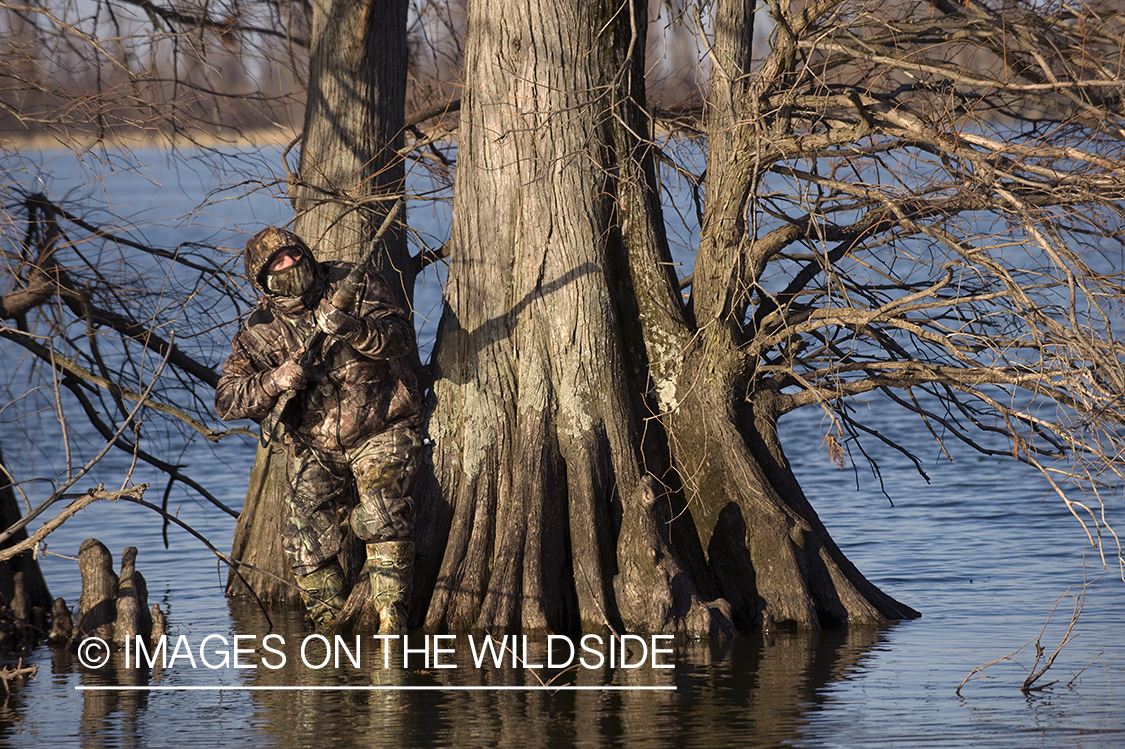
<point x="365" y="386"/>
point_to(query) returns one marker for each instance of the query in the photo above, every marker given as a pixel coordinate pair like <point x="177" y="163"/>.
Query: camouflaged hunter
<point x="354" y="417"/>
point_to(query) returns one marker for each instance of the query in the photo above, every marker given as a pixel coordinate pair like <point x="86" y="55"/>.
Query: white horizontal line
<point x="376" y="688"/>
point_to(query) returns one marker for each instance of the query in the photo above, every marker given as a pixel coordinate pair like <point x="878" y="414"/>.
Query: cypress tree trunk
<point x="23" y="591"/>
<point x="587" y="428"/>
<point x="534" y="442"/>
<point x="539" y="405"/>
<point x="768" y="551"/>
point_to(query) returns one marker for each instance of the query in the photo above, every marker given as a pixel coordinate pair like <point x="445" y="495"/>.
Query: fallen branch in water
<point x="983" y="666"/>
<point x="1034" y="675"/>
<point x="1036" y="671"/>
<point x="14" y="672"/>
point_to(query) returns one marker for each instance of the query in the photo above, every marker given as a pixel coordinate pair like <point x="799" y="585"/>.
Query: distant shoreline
<point x="280" y="136"/>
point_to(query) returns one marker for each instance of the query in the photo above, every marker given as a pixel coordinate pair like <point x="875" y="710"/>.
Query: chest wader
<point x="383" y="468"/>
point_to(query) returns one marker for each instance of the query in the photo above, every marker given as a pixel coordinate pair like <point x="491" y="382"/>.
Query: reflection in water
<point x="109" y="718"/>
<point x="762" y="688"/>
<point x="751" y="691"/>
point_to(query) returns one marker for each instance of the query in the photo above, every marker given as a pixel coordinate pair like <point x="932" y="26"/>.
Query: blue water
<point x="984" y="551"/>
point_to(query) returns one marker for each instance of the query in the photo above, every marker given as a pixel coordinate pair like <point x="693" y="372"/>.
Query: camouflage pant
<point x="381" y="469"/>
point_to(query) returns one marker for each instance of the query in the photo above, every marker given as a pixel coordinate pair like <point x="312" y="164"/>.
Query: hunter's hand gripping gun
<point x="343" y="300"/>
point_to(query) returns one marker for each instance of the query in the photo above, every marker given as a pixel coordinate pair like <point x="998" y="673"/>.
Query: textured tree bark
<point x="538" y="403"/>
<point x="257" y="535"/>
<point x="112" y="607"/>
<point x="350" y="171"/>
<point x="97" y="606"/>
<point x="133" y="615"/>
<point x="772" y="557"/>
<point x="23" y="591"/>
<point x="587" y="428"/>
<point x="532" y="455"/>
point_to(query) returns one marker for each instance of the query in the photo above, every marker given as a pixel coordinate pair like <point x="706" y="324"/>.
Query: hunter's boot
<point x="391" y="567"/>
<point x="323" y="593"/>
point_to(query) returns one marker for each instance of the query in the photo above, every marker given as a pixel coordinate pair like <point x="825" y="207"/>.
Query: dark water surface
<point x="983" y="551"/>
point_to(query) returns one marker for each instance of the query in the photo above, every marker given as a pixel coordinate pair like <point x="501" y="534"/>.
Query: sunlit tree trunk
<point x="770" y="555"/>
<point x="542" y="516"/>
<point x="596" y="463"/>
<point x="535" y="446"/>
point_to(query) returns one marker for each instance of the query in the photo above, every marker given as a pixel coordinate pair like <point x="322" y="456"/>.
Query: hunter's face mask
<point x="288" y="273"/>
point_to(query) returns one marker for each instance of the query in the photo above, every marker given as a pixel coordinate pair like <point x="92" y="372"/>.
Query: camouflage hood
<point x="260" y="250"/>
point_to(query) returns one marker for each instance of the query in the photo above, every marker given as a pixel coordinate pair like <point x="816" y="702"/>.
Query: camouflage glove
<point x="289" y="376"/>
<point x="334" y="322"/>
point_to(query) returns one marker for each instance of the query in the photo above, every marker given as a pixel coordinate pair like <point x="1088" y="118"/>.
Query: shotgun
<point x="343" y="299"/>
